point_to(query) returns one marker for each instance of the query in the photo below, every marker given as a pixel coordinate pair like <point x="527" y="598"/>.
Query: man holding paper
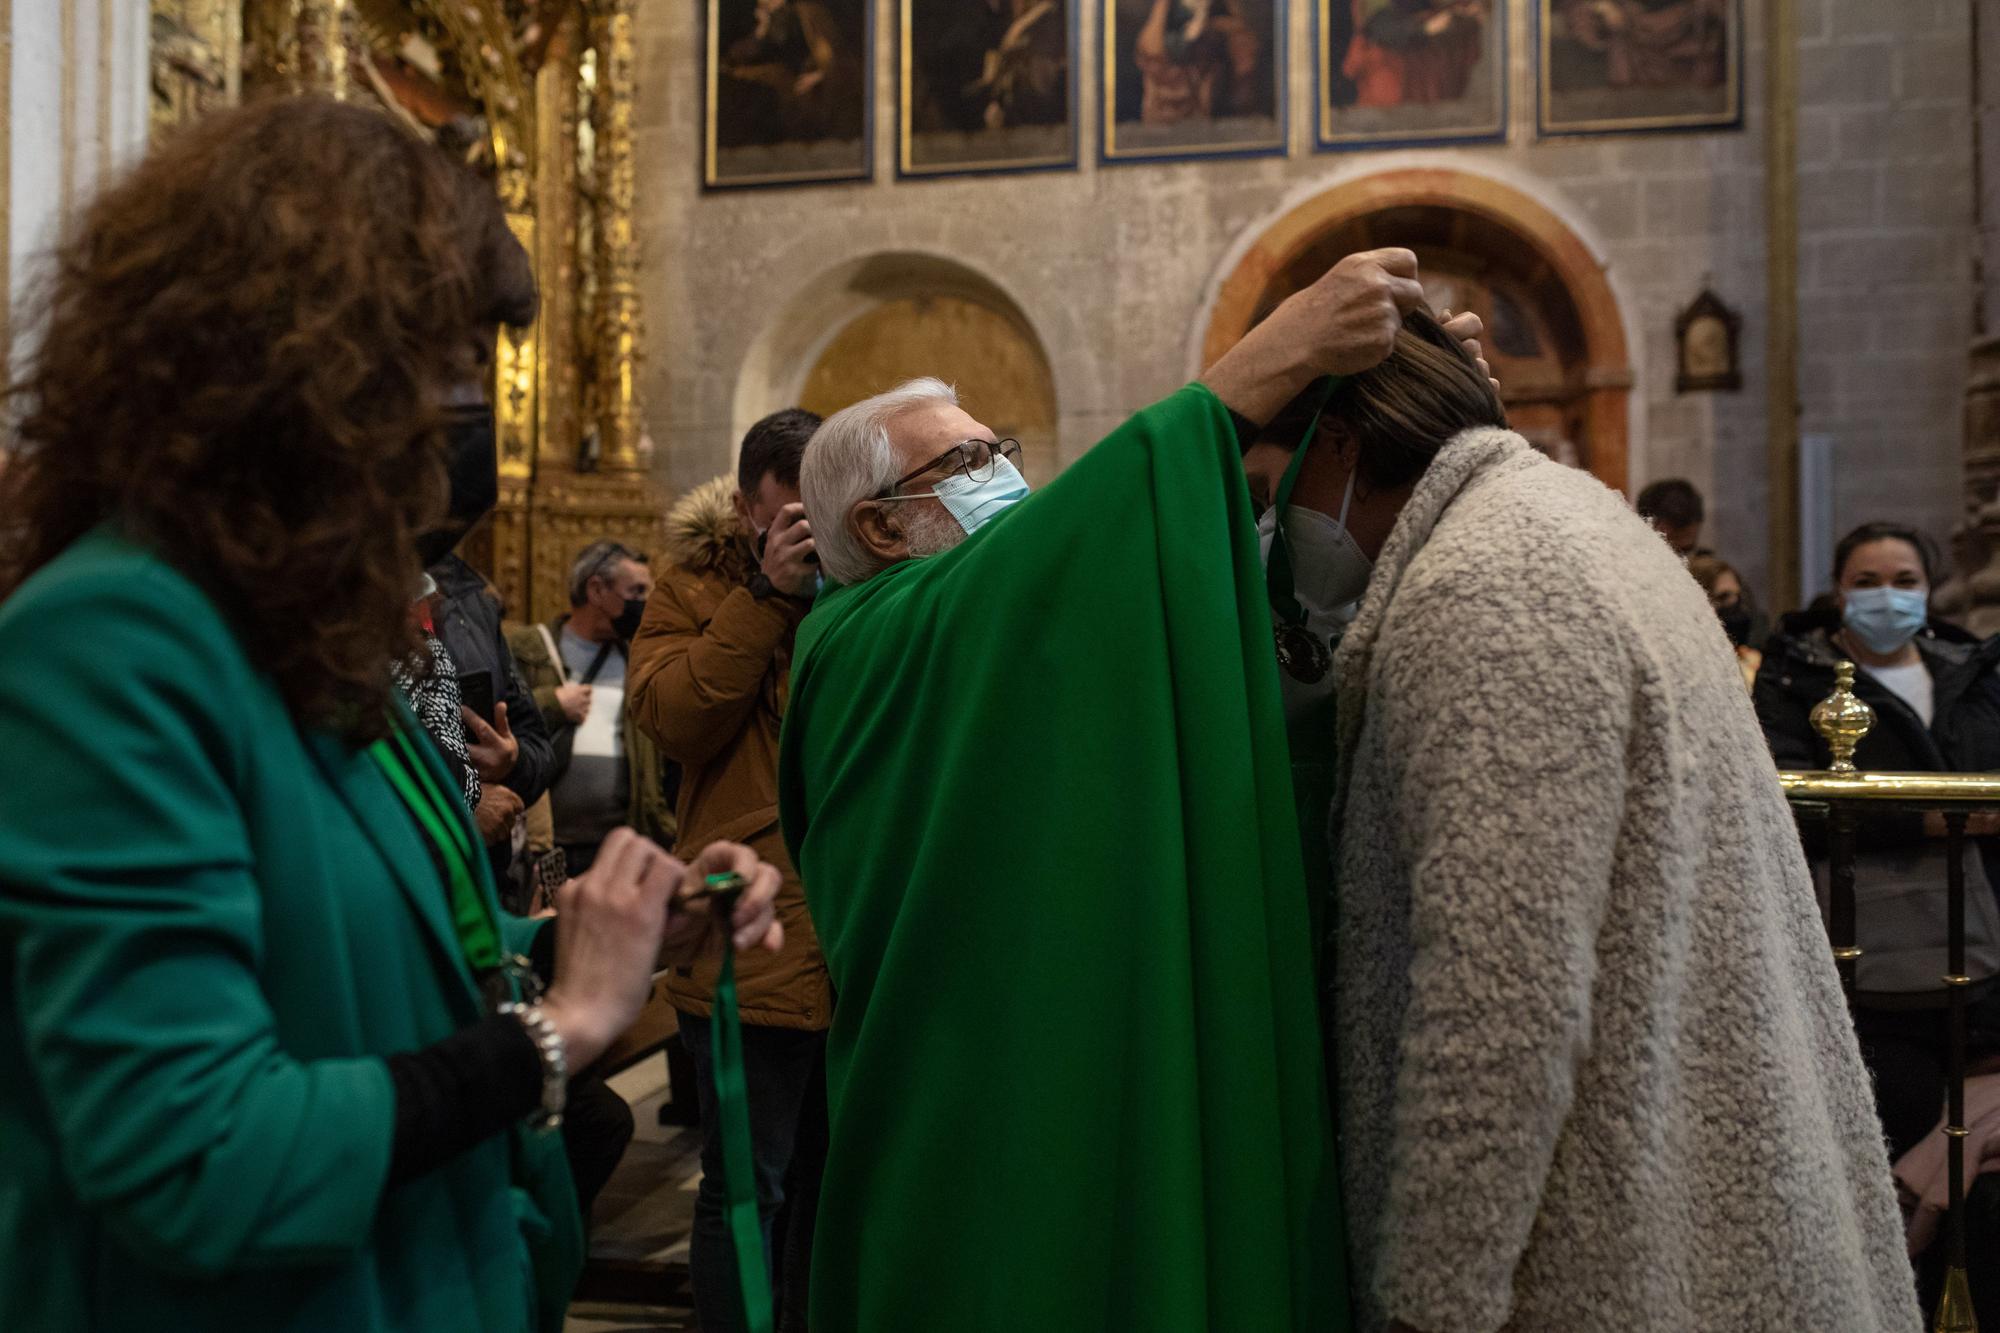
<point x="608" y="772"/>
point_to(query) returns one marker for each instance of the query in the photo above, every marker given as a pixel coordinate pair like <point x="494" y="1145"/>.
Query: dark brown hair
<point x="1708" y="571"/>
<point x="1405" y="410"/>
<point x="1674" y="501"/>
<point x="240" y="348"/>
<point x="774" y="447"/>
<point x="1870" y="533"/>
<point x="1401" y="412"/>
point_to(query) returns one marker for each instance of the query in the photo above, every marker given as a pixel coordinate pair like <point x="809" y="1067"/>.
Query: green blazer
<point x="213" y="929"/>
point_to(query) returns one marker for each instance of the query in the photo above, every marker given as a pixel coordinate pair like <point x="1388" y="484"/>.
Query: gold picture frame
<point x="1389" y="77"/>
<point x="1596" y="73"/>
<point x="986" y="86"/>
<point x="788" y="94"/>
<point x="1168" y="95"/>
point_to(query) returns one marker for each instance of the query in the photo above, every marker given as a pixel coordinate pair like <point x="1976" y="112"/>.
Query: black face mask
<point x="626" y="623"/>
<point x="473" y="464"/>
<point x="1736" y="624"/>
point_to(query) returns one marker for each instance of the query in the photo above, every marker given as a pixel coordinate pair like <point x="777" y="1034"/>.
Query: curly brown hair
<point x="242" y="345"/>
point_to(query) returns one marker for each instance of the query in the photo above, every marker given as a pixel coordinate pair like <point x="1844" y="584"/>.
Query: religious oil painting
<point x="1410" y="71"/>
<point x="788" y="91"/>
<point x="1193" y="78"/>
<point x="1616" y="65"/>
<point x="987" y="85"/>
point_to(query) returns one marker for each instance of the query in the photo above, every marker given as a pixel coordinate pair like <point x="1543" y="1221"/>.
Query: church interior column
<point x="618" y="416"/>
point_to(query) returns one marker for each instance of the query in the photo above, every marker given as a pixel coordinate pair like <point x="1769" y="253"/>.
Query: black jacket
<point x="1964" y="735"/>
<point x="468" y="622"/>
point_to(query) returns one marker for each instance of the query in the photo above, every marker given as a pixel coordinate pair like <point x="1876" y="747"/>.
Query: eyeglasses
<point x="975" y="460"/>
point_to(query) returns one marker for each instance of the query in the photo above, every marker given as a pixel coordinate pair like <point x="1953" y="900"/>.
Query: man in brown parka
<point x="708" y="678"/>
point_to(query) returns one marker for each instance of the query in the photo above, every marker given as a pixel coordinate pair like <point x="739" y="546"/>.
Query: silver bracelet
<point x="555" y="1064"/>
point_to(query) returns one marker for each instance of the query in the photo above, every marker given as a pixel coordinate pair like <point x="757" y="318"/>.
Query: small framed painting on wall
<point x="1399" y="72"/>
<point x="788" y="93"/>
<point x="986" y="85"/>
<point x="1614" y="66"/>
<point x="1193" y="78"/>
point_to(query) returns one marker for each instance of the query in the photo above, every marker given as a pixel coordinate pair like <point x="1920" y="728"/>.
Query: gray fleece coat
<point x="1595" y="1069"/>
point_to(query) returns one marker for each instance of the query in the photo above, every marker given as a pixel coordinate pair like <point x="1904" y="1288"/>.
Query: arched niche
<point x="1555" y="336"/>
<point x="871" y="323"/>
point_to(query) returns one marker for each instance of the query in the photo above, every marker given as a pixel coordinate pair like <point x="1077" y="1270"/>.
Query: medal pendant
<point x="1303" y="655"/>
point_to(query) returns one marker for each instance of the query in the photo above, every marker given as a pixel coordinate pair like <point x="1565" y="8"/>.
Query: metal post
<point x="1954" y="1313"/>
<point x="1840" y="894"/>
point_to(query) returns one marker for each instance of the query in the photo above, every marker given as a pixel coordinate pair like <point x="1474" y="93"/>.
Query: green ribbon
<point x="443" y="822"/>
<point x="732" y="1107"/>
<point x="1278" y="584"/>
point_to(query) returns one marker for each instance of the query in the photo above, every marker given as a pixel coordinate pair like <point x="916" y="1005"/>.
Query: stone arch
<point x="869" y="323"/>
<point x="1571" y="386"/>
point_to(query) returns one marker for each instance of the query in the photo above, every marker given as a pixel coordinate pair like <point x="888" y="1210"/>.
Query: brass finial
<point x="1954" y="1312"/>
<point x="1842" y="719"/>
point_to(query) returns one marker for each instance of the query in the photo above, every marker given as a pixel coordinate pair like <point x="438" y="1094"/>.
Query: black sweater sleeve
<point x="1245" y="428"/>
<point x="460" y="1091"/>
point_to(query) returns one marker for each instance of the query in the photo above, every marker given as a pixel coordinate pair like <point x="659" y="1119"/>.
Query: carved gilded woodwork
<point x="197" y="59"/>
<point x="552" y="82"/>
<point x="558" y="94"/>
<point x="485" y="43"/>
<point x="618" y="323"/>
<point x="517" y="379"/>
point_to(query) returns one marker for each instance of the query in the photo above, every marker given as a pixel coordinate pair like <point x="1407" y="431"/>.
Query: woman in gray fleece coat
<point x="1595" y="1069"/>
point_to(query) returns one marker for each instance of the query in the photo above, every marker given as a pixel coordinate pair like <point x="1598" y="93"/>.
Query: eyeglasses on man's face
<point x="973" y="458"/>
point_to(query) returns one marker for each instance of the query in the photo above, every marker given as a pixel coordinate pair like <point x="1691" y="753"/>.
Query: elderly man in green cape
<point x="1034" y="773"/>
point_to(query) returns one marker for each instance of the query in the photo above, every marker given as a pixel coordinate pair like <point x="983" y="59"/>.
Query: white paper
<point x="598" y="735"/>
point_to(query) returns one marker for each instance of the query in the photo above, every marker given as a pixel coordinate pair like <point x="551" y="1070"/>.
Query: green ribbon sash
<point x="1278" y="578"/>
<point x="443" y="822"/>
<point x="732" y="1107"/>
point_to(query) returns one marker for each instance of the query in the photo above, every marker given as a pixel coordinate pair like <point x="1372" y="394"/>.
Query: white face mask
<point x="1329" y="572"/>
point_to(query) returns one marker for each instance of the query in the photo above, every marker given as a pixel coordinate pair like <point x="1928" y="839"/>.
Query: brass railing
<point x="1843" y="720"/>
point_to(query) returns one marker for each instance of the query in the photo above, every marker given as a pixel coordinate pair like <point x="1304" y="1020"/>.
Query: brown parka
<point x="708" y="678"/>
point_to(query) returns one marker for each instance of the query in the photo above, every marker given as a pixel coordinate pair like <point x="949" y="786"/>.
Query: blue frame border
<point x="1738" y="38"/>
<point x="904" y="133"/>
<point x="708" y="110"/>
<point x="1321" y="144"/>
<point x="1281" y="75"/>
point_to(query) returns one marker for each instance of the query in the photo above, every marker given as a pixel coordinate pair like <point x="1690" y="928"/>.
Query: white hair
<point x="849" y="459"/>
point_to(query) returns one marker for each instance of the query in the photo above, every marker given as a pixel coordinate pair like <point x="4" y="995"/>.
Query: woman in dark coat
<point x="1936" y="696"/>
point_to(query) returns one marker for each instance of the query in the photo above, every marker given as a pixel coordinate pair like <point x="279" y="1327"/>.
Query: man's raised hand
<point x="1348" y="320"/>
<point x="1342" y="324"/>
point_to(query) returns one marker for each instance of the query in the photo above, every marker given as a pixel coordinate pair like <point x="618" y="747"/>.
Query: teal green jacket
<point x="213" y="929"/>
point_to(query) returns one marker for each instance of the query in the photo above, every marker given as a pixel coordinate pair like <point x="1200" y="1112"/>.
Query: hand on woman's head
<point x="1467" y="328"/>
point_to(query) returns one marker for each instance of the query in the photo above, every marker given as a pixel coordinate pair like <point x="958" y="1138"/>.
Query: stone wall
<point x="1885" y="257"/>
<point x="1115" y="266"/>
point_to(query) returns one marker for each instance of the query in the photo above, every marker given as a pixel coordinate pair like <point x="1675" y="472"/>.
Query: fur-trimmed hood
<point x="704" y="532"/>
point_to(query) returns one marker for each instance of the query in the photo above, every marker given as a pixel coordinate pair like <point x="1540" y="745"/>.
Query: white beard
<point x="930" y="530"/>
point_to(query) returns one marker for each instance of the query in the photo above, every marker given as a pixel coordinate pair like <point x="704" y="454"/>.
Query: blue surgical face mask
<point x="972" y="503"/>
<point x="1885" y="619"/>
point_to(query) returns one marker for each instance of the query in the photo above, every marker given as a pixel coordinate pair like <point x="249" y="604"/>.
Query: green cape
<point x="1037" y="788"/>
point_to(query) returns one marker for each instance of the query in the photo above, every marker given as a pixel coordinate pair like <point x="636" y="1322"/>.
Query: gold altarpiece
<point x="538" y="95"/>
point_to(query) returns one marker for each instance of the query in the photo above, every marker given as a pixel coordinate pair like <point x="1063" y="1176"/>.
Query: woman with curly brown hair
<point x="275" y="1050"/>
